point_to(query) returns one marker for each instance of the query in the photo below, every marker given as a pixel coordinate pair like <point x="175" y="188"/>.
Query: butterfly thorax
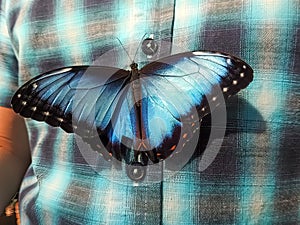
<point x="135" y="83"/>
<point x="134" y="71"/>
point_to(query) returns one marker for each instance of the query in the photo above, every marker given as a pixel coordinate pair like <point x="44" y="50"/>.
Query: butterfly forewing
<point x="196" y="74"/>
<point x="68" y="95"/>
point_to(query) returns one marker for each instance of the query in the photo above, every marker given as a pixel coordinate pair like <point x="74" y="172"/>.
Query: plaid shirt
<point x="255" y="178"/>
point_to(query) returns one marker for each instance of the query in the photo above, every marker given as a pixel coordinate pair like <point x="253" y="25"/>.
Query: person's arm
<point x="14" y="154"/>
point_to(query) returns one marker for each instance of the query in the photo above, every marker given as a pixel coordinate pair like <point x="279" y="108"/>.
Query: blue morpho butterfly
<point x="143" y="111"/>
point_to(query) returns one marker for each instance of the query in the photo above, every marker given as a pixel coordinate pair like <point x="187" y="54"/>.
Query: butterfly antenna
<point x="151" y="36"/>
<point x="125" y="49"/>
<point x="140" y="43"/>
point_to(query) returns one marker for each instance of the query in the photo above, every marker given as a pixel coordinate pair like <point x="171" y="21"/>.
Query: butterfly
<point x="144" y="112"/>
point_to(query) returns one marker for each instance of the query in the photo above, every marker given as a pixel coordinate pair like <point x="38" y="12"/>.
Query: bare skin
<point x="14" y="154"/>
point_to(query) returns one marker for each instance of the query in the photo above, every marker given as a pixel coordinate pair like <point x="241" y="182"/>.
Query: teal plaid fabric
<point x="255" y="178"/>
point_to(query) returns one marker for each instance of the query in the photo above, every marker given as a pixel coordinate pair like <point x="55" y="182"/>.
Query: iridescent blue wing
<point x="176" y="86"/>
<point x="53" y="97"/>
<point x="72" y="98"/>
<point x="196" y="73"/>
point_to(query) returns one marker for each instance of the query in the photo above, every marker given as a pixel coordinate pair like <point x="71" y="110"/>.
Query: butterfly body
<point x="152" y="112"/>
<point x="142" y="144"/>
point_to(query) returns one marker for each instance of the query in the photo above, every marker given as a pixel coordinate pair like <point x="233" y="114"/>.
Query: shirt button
<point x="149" y="46"/>
<point x="136" y="171"/>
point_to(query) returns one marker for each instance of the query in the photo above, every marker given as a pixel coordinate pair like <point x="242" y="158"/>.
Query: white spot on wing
<point x="24" y="103"/>
<point x="242" y="74"/>
<point x="225" y="89"/>
<point x="234" y="82"/>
